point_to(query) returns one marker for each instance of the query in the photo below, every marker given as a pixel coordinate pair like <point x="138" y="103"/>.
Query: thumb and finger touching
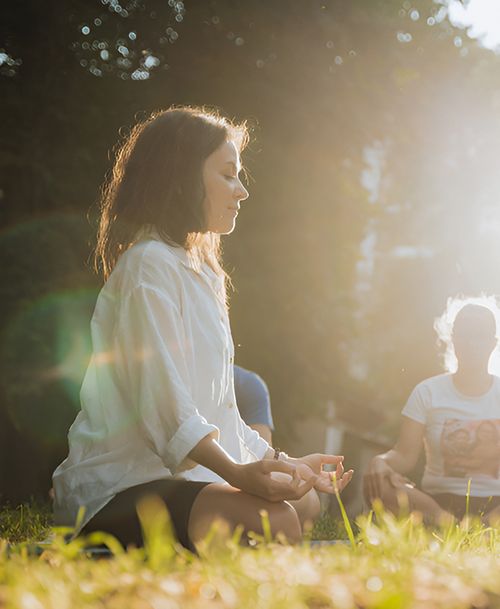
<point x="293" y="489"/>
<point x="331" y="459"/>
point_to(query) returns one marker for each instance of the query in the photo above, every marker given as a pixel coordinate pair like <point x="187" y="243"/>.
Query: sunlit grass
<point x="394" y="563"/>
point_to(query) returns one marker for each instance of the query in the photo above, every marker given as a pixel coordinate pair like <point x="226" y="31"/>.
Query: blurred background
<point x="373" y="175"/>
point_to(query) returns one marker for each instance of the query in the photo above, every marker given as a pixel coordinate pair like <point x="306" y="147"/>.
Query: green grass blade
<point x="345" y="519"/>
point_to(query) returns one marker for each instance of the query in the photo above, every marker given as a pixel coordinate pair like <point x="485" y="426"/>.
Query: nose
<point x="241" y="192"/>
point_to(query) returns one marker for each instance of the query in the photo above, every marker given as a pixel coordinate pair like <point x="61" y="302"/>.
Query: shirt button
<point x="230" y="405"/>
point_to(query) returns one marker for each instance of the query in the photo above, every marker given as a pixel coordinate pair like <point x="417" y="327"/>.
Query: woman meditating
<point x="457" y="417"/>
<point x="158" y="410"/>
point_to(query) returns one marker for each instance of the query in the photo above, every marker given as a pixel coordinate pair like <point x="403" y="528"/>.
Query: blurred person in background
<point x="254" y="402"/>
<point x="456" y="416"/>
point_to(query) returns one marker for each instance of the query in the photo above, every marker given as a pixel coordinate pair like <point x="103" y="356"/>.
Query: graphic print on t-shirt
<point x="471" y="449"/>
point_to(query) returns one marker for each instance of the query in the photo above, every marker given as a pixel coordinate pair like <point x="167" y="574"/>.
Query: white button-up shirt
<point x="160" y="379"/>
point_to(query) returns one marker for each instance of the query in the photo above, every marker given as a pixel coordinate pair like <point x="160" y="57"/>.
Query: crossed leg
<point x="221" y="501"/>
<point x="398" y="499"/>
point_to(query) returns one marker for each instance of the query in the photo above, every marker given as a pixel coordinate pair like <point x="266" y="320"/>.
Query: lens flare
<point x="44" y="352"/>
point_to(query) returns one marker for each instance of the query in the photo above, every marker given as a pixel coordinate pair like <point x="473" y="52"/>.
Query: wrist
<point x="231" y="473"/>
<point x="280" y="455"/>
<point x="291" y="460"/>
<point x="276" y="454"/>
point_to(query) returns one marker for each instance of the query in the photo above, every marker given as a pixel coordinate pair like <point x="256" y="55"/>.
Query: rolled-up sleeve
<point x="254" y="441"/>
<point x="151" y="346"/>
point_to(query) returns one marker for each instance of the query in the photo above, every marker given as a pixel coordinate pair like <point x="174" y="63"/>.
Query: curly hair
<point x="443" y="325"/>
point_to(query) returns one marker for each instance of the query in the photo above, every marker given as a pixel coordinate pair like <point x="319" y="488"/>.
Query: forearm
<point x="253" y="478"/>
<point x="398" y="461"/>
<point x="209" y="453"/>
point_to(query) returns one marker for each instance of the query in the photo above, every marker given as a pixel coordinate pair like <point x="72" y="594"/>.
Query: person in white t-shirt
<point x="457" y="418"/>
<point x="158" y="408"/>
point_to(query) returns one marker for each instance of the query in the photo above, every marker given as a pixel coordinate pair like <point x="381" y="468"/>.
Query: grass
<point x="394" y="564"/>
<point x="31" y="522"/>
<point x="28" y="522"/>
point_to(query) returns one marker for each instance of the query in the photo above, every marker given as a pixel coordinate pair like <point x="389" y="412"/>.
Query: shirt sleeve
<point x="151" y="345"/>
<point x="417" y="405"/>
<point x="253" y="440"/>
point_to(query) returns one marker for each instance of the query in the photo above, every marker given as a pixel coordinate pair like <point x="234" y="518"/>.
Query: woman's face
<point x="223" y="189"/>
<point x="474" y="336"/>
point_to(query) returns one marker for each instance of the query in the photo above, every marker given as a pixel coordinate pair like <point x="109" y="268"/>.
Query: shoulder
<point x="429" y="388"/>
<point x="151" y="252"/>
<point x="434" y="383"/>
<point x="149" y="266"/>
<point x="152" y="262"/>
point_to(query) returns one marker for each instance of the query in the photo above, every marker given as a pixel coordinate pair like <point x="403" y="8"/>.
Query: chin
<point x="225" y="230"/>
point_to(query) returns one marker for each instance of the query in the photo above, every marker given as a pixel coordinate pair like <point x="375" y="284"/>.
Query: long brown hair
<point x="157" y="181"/>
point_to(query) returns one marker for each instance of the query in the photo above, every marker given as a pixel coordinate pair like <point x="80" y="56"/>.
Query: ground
<point x="389" y="564"/>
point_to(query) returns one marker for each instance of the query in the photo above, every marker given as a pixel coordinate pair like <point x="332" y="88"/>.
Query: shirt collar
<point x="205" y="272"/>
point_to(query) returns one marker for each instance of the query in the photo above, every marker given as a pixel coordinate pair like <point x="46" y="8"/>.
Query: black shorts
<point x="119" y="516"/>
<point x="457" y="504"/>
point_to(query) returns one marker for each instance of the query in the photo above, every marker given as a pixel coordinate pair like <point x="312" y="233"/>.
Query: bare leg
<point x="399" y="499"/>
<point x="221" y="501"/>
<point x="307" y="507"/>
<point x="492" y="518"/>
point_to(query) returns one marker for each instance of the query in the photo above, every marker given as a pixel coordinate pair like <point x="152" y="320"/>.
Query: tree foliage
<point x="373" y="189"/>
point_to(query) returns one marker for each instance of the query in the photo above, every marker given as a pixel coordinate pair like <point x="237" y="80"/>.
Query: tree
<point x="336" y="285"/>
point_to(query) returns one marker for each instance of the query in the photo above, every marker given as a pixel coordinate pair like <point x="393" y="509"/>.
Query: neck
<point x="472" y="381"/>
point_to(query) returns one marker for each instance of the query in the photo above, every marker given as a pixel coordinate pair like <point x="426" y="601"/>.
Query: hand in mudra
<point x="312" y="465"/>
<point x="377" y="474"/>
<point x="266" y="479"/>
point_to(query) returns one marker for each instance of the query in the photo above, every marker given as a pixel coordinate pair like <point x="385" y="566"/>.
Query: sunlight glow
<point x="443" y="326"/>
<point x="481" y="19"/>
